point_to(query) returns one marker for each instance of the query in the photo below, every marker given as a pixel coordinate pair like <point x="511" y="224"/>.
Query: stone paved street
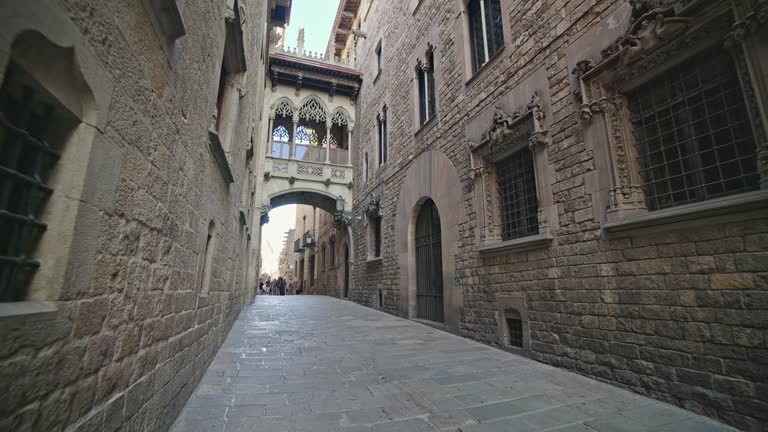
<point x="314" y="364"/>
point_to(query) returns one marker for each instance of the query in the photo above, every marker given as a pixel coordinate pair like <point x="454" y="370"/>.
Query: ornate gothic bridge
<point x="307" y="159"/>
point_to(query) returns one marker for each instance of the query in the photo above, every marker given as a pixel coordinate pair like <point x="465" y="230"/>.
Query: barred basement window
<point x="28" y="120"/>
<point x="426" y="75"/>
<point x="517" y="190"/>
<point x="693" y="133"/>
<point x="515" y="331"/>
<point x="486" y="30"/>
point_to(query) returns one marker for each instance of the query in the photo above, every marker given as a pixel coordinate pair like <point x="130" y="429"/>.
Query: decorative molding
<point x="508" y="132"/>
<point x="520" y="244"/>
<point x="279" y="167"/>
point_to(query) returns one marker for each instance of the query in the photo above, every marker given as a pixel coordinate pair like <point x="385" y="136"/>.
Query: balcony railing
<point x="281" y="150"/>
<point x="310" y="153"/>
<point x="297" y="246"/>
<point x="339" y="157"/>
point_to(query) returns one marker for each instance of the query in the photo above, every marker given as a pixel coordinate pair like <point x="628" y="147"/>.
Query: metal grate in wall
<point x="25" y="159"/>
<point x="515" y="331"/>
<point x="693" y="133"/>
<point x="517" y="189"/>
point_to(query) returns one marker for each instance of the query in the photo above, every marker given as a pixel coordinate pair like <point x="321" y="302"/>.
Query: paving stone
<point x="368" y="373"/>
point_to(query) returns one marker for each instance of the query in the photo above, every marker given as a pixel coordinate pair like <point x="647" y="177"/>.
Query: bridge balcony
<point x="311" y="163"/>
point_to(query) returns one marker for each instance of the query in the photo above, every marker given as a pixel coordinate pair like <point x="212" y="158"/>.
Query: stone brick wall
<point x="677" y="313"/>
<point x="125" y="348"/>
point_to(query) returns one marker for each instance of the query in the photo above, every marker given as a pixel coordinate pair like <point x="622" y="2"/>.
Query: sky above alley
<point x="316" y="16"/>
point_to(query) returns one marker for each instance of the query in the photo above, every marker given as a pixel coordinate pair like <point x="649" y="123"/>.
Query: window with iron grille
<point x="486" y="30"/>
<point x="332" y="247"/>
<point x="376" y="236"/>
<point x="378" y="57"/>
<point x="31" y="125"/>
<point x="426" y="75"/>
<point x="693" y="133"/>
<point x="517" y="190"/>
<point x="515" y="332"/>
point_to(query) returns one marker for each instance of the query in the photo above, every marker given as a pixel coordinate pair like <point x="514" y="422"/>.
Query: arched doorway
<point x="346" y="271"/>
<point x="429" y="264"/>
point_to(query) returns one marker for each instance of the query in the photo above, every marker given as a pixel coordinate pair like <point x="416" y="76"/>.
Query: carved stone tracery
<point x="661" y="33"/>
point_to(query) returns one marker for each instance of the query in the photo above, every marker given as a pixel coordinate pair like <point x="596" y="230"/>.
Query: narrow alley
<point x="312" y="363"/>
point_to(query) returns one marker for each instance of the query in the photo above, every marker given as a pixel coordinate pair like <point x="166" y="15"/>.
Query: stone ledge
<point x="214" y="143"/>
<point x="374" y="259"/>
<point x="714" y="207"/>
<point x="169" y="16"/>
<point x="516" y="245"/>
<point x="28" y="309"/>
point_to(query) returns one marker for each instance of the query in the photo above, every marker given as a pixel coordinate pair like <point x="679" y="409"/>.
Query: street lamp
<point x="341" y="218"/>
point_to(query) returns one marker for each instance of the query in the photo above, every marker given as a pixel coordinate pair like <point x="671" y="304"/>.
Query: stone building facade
<point x="535" y="159"/>
<point x="121" y="281"/>
<point x="323" y="265"/>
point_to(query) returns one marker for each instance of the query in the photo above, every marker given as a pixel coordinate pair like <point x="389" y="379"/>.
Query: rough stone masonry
<point x="153" y="186"/>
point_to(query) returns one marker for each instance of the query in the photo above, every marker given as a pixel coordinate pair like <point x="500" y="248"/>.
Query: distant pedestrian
<point x="281" y="285"/>
<point x="291" y="288"/>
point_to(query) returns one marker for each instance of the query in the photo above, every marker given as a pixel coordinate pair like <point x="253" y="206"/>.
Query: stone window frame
<point x="229" y="90"/>
<point x="426" y="45"/>
<point x="462" y="35"/>
<point x="527" y="126"/>
<point x="425" y="81"/>
<point x="85" y="178"/>
<point x="377" y="52"/>
<point x="517" y="303"/>
<point x="687" y="28"/>
<point x="207" y="259"/>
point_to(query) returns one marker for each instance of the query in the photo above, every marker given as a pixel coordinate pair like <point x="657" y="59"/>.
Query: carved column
<point x="269" y="137"/>
<point x="292" y="154"/>
<point x="328" y="126"/>
<point x="626" y="196"/>
<point x="349" y="144"/>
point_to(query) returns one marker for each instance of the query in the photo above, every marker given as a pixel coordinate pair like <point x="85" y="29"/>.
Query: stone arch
<point x="283" y="106"/>
<point x="433" y="176"/>
<point x="340" y="116"/>
<point x="318" y="198"/>
<point x="313" y="108"/>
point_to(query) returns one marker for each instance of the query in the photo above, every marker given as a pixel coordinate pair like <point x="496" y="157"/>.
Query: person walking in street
<point x="281" y="285"/>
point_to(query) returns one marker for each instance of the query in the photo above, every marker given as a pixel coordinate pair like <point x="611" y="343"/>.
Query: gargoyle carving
<point x="654" y="22"/>
<point x="374" y="206"/>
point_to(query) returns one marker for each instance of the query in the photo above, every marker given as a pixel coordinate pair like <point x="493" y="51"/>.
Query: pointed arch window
<point x="426" y="76"/>
<point x="382" y="131"/>
<point x="281" y="134"/>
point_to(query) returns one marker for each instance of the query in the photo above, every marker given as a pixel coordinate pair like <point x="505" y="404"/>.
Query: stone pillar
<point x="328" y="126"/>
<point x="292" y="154"/>
<point x="349" y="145"/>
<point x="269" y="137"/>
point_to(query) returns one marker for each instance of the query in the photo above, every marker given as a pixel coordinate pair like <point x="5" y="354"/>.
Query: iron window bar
<point x="515" y="330"/>
<point x="517" y="190"/>
<point x="692" y="131"/>
<point x="24" y="156"/>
